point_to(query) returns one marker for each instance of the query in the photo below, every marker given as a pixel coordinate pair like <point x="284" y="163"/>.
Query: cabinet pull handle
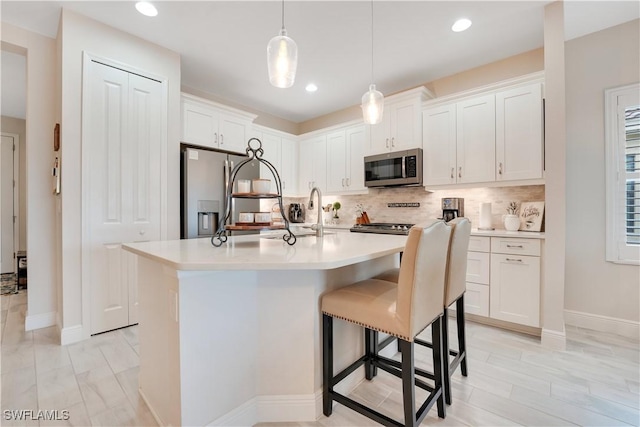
<point x="500" y="168"/>
<point x="452" y="169"/>
<point x="221" y="139"/>
<point x="460" y="172"/>
<point x="515" y="246"/>
<point x="386" y="143"/>
<point x="348" y="182"/>
<point x="514" y="260"/>
<point x="215" y="137"/>
<point x="343" y="182"/>
<point x="393" y="141"/>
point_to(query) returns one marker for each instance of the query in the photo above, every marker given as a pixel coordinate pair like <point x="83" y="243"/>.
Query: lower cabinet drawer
<point x="478" y="267"/>
<point x="476" y="299"/>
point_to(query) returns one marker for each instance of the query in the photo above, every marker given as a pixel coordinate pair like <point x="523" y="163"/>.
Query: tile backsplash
<point x="375" y="203"/>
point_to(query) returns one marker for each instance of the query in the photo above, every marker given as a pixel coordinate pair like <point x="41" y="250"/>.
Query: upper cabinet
<point x="312" y="163"/>
<point x="488" y="137"/>
<point x="345" y="160"/>
<point x="209" y="124"/>
<point x="281" y="150"/>
<point x="476" y="140"/>
<point x="401" y="126"/>
<point x="519" y="142"/>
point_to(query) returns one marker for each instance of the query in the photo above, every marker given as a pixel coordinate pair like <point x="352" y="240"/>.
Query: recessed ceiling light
<point x="311" y="87"/>
<point x="146" y="8"/>
<point x="461" y="25"/>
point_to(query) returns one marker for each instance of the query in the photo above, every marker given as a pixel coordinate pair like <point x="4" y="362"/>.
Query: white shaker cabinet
<point x="282" y="153"/>
<point x="459" y="142"/>
<point x="439" y="145"/>
<point x="519" y="140"/>
<point x="212" y="125"/>
<point x="345" y="160"/>
<point x="475" y="140"/>
<point x="289" y="169"/>
<point x="401" y="126"/>
<point x="484" y="137"/>
<point x="312" y="164"/>
<point x="515" y="280"/>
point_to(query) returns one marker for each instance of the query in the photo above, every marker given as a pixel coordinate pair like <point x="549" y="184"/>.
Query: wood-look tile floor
<point x="512" y="379"/>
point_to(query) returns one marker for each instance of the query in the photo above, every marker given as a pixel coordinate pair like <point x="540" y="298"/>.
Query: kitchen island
<point x="231" y="335"/>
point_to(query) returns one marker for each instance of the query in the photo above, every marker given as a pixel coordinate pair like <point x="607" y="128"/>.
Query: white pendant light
<point x="372" y="100"/>
<point x="282" y="58"/>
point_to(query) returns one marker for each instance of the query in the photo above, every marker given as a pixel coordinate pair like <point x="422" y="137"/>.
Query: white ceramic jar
<point x="511" y="222"/>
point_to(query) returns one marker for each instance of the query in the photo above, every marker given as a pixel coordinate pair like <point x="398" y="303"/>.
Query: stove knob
<point x="404" y="228"/>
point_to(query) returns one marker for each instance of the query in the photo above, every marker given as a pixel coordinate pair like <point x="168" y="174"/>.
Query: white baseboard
<point x="42" y="320"/>
<point x="596" y="322"/>
<point x="71" y="335"/>
<point x="153" y="412"/>
<point x="554" y="340"/>
<point x="286" y="408"/>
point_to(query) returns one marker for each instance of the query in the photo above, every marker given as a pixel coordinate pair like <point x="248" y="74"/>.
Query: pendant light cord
<point x="371" y="41"/>
<point x="283" y="14"/>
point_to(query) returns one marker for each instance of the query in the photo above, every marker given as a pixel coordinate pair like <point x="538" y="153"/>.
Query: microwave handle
<point x="404" y="166"/>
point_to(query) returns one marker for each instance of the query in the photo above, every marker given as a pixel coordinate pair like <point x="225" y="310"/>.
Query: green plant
<point x="512" y="209"/>
<point x="336" y="208"/>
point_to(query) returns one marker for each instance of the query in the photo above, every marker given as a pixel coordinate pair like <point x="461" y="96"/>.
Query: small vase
<point x="511" y="222"/>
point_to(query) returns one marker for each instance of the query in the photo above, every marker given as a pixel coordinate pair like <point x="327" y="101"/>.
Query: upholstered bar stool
<point x="454" y="292"/>
<point x="401" y="309"/>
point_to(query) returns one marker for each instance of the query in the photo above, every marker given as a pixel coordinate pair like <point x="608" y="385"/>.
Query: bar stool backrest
<point x="456" y="281"/>
<point x="421" y="281"/>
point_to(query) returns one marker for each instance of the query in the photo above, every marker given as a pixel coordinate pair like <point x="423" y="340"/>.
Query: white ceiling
<point x="223" y="43"/>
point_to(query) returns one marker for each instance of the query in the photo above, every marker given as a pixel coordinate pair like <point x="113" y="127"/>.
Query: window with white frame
<point x="622" y="132"/>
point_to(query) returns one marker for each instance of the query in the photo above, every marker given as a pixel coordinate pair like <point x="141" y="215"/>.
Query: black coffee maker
<point x="452" y="207"/>
<point x="296" y="212"/>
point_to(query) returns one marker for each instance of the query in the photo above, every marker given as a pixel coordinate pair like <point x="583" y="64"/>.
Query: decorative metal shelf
<point x="254" y="152"/>
<point x="254" y="227"/>
<point x="255" y="195"/>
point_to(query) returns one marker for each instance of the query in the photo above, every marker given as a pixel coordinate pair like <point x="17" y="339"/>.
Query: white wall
<point x="595" y="62"/>
<point x="80" y="34"/>
<point x="40" y="120"/>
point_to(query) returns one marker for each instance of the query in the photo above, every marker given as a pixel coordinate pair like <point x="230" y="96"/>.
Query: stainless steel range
<point x="382" y="228"/>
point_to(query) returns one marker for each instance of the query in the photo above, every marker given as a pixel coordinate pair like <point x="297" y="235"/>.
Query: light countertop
<point x="270" y="252"/>
<point x="505" y="233"/>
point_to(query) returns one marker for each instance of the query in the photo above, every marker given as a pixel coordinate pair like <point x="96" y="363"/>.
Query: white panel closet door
<point x="123" y="186"/>
<point x="144" y="154"/>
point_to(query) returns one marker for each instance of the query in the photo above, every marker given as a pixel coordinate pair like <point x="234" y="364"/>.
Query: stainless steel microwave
<point x="394" y="169"/>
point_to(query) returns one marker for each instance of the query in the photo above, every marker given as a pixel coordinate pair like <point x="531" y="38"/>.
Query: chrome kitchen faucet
<point x="318" y="226"/>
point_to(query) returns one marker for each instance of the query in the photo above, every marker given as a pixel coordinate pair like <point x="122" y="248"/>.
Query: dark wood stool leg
<point x="327" y="364"/>
<point x="408" y="381"/>
<point x="438" y="362"/>
<point x="446" y="375"/>
<point x="462" y="342"/>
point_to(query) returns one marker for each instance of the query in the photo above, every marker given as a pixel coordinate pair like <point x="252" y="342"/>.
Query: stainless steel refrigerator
<point x="204" y="175"/>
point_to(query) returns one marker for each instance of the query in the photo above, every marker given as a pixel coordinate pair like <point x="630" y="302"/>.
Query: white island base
<point x="231" y="335"/>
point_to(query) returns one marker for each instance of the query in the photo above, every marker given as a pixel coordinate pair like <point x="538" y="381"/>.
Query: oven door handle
<point x="404" y="166"/>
